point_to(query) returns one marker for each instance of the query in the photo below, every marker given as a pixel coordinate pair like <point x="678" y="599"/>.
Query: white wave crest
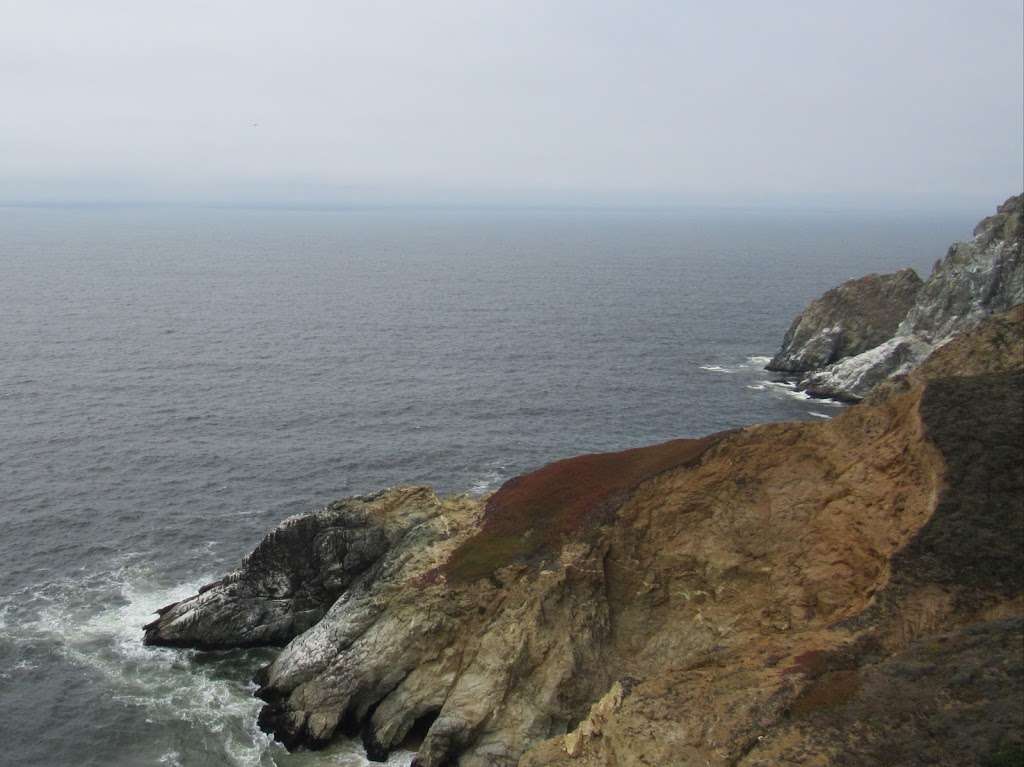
<point x="789" y="389"/>
<point x="95" y="621"/>
<point x="489" y="481"/>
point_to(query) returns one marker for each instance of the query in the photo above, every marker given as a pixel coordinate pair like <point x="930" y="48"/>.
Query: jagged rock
<point x="856" y="376"/>
<point x="823" y="593"/>
<point x="594" y="724"/>
<point x="993" y="347"/>
<point x="298" y="571"/>
<point x="848" y="320"/>
<point x="974" y="280"/>
<point x="500" y="646"/>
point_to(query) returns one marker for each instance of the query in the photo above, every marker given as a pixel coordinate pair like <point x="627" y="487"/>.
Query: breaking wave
<point x="202" y="703"/>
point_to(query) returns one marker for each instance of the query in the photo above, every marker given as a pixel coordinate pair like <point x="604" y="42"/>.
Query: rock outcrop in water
<point x="287" y="584"/>
<point x="975" y="280"/>
<point x="857" y="316"/>
<point x="845" y="592"/>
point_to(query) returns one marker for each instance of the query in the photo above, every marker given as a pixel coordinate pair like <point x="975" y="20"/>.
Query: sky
<point x="905" y="104"/>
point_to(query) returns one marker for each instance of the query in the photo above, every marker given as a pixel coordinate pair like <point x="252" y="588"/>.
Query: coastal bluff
<point x="848" y="320"/>
<point x="867" y="330"/>
<point x="846" y="592"/>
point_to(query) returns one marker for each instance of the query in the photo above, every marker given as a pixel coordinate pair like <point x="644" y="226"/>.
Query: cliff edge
<point x="842" y="592"/>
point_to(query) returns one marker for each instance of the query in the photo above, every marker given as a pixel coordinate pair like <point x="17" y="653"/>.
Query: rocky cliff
<point x="857" y="316"/>
<point x="895" y="323"/>
<point x="844" y="592"/>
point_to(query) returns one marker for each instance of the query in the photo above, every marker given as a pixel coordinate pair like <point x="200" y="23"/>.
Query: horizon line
<point x="424" y="205"/>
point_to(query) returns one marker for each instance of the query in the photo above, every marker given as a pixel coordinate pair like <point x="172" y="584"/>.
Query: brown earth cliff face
<point x="845" y="592"/>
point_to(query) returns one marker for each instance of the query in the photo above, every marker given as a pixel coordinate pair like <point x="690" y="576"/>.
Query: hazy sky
<point x="870" y="104"/>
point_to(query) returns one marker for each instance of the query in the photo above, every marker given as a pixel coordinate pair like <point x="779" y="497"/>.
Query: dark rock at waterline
<point x="292" y="577"/>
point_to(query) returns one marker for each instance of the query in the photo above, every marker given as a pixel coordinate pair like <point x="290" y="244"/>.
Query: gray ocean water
<point x="174" y="382"/>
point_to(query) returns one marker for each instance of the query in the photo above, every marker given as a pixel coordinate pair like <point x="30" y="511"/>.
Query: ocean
<point x="176" y="381"/>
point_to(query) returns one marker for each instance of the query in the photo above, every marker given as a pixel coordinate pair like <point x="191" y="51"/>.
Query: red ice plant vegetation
<point x="530" y="516"/>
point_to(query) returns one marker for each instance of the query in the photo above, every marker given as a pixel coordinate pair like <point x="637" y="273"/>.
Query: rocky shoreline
<point x="880" y="326"/>
<point x="839" y="592"/>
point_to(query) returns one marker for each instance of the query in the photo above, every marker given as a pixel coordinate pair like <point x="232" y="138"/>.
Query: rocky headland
<point x="848" y="320"/>
<point x="846" y="592"/>
<point x="880" y="326"/>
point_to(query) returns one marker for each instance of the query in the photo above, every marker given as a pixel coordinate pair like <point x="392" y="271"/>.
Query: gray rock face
<point x="851" y="379"/>
<point x="975" y="280"/>
<point x="848" y="320"/>
<point x="295" y="574"/>
<point x="486" y="668"/>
